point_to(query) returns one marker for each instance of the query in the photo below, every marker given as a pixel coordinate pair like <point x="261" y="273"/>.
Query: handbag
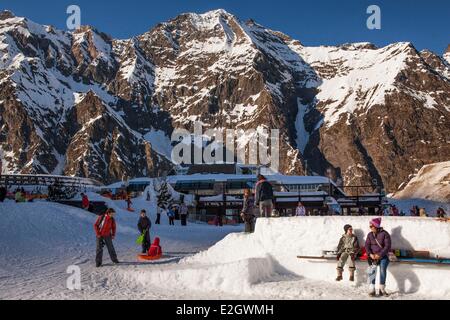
<point x="391" y="256"/>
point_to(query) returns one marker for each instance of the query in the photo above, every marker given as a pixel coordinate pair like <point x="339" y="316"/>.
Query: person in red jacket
<point x="155" y="250"/>
<point x="84" y="201"/>
<point x="105" y="230"/>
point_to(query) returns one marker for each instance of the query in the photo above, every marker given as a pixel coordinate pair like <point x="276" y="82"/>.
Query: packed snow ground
<point x="38" y="241"/>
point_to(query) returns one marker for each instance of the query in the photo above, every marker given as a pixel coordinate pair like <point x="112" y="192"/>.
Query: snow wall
<point x="274" y="247"/>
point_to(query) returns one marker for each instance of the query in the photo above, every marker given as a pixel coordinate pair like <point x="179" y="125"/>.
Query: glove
<point x="353" y="256"/>
<point x="338" y="257"/>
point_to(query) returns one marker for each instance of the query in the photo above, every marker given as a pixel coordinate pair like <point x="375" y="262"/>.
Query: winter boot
<point x="383" y="292"/>
<point x="339" y="277"/>
<point x="352" y="274"/>
<point x="372" y="292"/>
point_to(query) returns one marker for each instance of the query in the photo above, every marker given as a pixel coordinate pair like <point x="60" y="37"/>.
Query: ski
<point x="444" y="262"/>
<point x="424" y="261"/>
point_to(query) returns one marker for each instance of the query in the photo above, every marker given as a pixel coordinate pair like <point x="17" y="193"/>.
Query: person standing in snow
<point x="183" y="214"/>
<point x="348" y="247"/>
<point x="129" y="203"/>
<point x="84" y="202"/>
<point x="158" y="215"/>
<point x="378" y="246"/>
<point x="361" y="211"/>
<point x="264" y="197"/>
<point x="171" y="215"/>
<point x="105" y="230"/>
<point x="423" y="213"/>
<point x="441" y="213"/>
<point x="144" y="225"/>
<point x="247" y="213"/>
<point x="3" y="193"/>
<point x="218" y="220"/>
<point x="301" y="210"/>
<point x="395" y="211"/>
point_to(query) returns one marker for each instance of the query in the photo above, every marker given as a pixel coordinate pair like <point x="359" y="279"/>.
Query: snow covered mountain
<point x="82" y="103"/>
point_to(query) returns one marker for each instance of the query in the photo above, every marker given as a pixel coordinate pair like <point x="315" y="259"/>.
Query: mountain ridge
<point x="225" y="73"/>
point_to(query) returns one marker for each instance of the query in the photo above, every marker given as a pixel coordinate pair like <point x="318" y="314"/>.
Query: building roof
<point x="212" y="169"/>
<point x="288" y="180"/>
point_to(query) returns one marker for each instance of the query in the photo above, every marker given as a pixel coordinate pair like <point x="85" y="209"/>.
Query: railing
<point x="47" y="180"/>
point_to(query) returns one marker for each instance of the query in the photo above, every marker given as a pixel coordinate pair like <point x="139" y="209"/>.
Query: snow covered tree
<point x="163" y="194"/>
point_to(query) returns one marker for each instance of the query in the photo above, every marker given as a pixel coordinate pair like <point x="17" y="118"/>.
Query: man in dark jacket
<point x="264" y="197"/>
<point x="3" y="193"/>
<point x="105" y="230"/>
<point x="184" y="211"/>
<point x="247" y="213"/>
<point x="144" y="226"/>
<point x="378" y="246"/>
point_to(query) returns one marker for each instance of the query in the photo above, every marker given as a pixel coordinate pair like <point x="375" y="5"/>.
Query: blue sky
<point x="425" y="23"/>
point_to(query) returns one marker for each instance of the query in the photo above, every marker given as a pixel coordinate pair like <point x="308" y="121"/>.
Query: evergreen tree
<point x="163" y="194"/>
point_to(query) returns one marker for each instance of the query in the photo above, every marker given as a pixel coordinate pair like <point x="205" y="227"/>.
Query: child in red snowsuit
<point x="155" y="250"/>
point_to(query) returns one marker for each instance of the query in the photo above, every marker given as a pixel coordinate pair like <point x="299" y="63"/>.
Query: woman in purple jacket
<point x="378" y="246"/>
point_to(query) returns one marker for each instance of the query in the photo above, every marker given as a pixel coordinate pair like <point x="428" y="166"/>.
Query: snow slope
<point x="431" y="183"/>
<point x="38" y="241"/>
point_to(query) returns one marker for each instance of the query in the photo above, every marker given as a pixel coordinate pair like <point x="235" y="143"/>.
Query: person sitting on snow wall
<point x="155" y="250"/>
<point x="378" y="246"/>
<point x="348" y="247"/>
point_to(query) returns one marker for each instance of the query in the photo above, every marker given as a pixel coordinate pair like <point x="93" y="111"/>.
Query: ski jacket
<point x="85" y="202"/>
<point x="184" y="210"/>
<point x="155" y="249"/>
<point x="249" y="205"/>
<point x="171" y="214"/>
<point x="348" y="244"/>
<point x="3" y="193"/>
<point x="378" y="244"/>
<point x="105" y="226"/>
<point x="395" y="212"/>
<point x="300" y="211"/>
<point x="144" y="224"/>
<point x="263" y="192"/>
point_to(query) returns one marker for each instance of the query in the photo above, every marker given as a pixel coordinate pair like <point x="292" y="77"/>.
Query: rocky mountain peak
<point x="6" y="14"/>
<point x="359" y="46"/>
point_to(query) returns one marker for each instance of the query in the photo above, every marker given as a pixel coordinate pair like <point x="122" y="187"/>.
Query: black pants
<point x="101" y="242"/>
<point x="147" y="242"/>
<point x="249" y="225"/>
<point x="172" y="221"/>
<point x="184" y="220"/>
<point x="158" y="218"/>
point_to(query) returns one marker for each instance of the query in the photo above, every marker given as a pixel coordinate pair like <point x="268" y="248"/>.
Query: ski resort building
<point x="221" y="193"/>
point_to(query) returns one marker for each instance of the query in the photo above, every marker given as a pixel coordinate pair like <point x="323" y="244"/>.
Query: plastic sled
<point x="145" y="257"/>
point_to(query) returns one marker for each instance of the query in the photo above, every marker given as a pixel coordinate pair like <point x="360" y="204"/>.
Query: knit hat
<point x="376" y="222"/>
<point x="347" y="227"/>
